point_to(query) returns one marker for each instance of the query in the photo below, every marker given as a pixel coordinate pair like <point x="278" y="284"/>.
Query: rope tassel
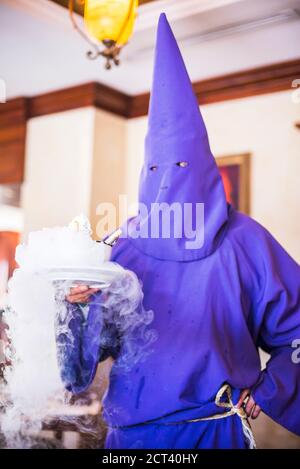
<point x="232" y="410"/>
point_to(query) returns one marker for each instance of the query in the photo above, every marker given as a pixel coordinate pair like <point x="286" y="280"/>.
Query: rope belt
<point x="232" y="410"/>
<point x="224" y="391"/>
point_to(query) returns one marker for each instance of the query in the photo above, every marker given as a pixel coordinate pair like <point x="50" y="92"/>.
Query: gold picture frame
<point x="235" y="172"/>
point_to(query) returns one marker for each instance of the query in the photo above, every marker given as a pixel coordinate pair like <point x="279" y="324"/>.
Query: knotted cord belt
<point x="232" y="410"/>
<point x="225" y="390"/>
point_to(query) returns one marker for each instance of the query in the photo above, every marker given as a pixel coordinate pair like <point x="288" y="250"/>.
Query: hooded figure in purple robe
<point x="220" y="287"/>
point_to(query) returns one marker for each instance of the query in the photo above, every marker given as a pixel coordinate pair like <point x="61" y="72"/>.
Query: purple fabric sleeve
<point x="278" y="311"/>
<point x="85" y="344"/>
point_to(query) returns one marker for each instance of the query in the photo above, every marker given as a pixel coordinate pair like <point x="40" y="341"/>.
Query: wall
<point x="109" y="168"/>
<point x="59" y="153"/>
<point x="265" y="127"/>
<point x="74" y="161"/>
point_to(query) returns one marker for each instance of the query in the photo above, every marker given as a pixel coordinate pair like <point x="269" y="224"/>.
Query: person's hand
<point x="252" y="409"/>
<point x="81" y="294"/>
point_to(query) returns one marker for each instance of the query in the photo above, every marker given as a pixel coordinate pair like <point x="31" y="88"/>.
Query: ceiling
<point x="40" y="51"/>
<point x="78" y="5"/>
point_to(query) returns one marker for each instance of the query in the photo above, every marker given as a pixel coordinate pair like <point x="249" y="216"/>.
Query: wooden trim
<point x="89" y="94"/>
<point x="112" y="100"/>
<point x="14" y="113"/>
<point x="13" y="117"/>
<point x="252" y="82"/>
<point x="261" y="80"/>
<point x="61" y="100"/>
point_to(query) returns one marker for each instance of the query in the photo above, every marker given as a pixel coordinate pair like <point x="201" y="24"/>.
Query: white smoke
<point x="36" y="306"/>
<point x="59" y="247"/>
<point x="34" y="376"/>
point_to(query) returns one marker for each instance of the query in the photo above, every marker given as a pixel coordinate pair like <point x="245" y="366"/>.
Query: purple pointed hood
<point x="179" y="167"/>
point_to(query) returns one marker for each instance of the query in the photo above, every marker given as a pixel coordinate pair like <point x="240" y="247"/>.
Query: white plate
<point x="97" y="277"/>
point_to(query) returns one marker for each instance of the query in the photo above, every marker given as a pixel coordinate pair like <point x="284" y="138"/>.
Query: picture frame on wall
<point x="235" y="173"/>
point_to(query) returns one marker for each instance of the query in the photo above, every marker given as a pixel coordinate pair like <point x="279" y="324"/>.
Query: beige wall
<point x="74" y="161"/>
<point x="109" y="168"/>
<point x="59" y="153"/>
<point x="263" y="126"/>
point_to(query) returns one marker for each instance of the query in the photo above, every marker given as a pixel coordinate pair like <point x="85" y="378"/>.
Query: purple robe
<point x="213" y="305"/>
<point x="211" y="316"/>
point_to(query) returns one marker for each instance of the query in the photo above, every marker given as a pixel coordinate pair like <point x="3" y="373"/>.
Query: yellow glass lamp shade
<point x="110" y="21"/>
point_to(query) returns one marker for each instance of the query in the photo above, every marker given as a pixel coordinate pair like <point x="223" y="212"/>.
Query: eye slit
<point x="153" y="168"/>
<point x="182" y="164"/>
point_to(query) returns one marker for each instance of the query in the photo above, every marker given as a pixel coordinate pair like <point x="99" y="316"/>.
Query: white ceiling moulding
<point x="237" y="28"/>
<point x="226" y="30"/>
<point x="175" y="10"/>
